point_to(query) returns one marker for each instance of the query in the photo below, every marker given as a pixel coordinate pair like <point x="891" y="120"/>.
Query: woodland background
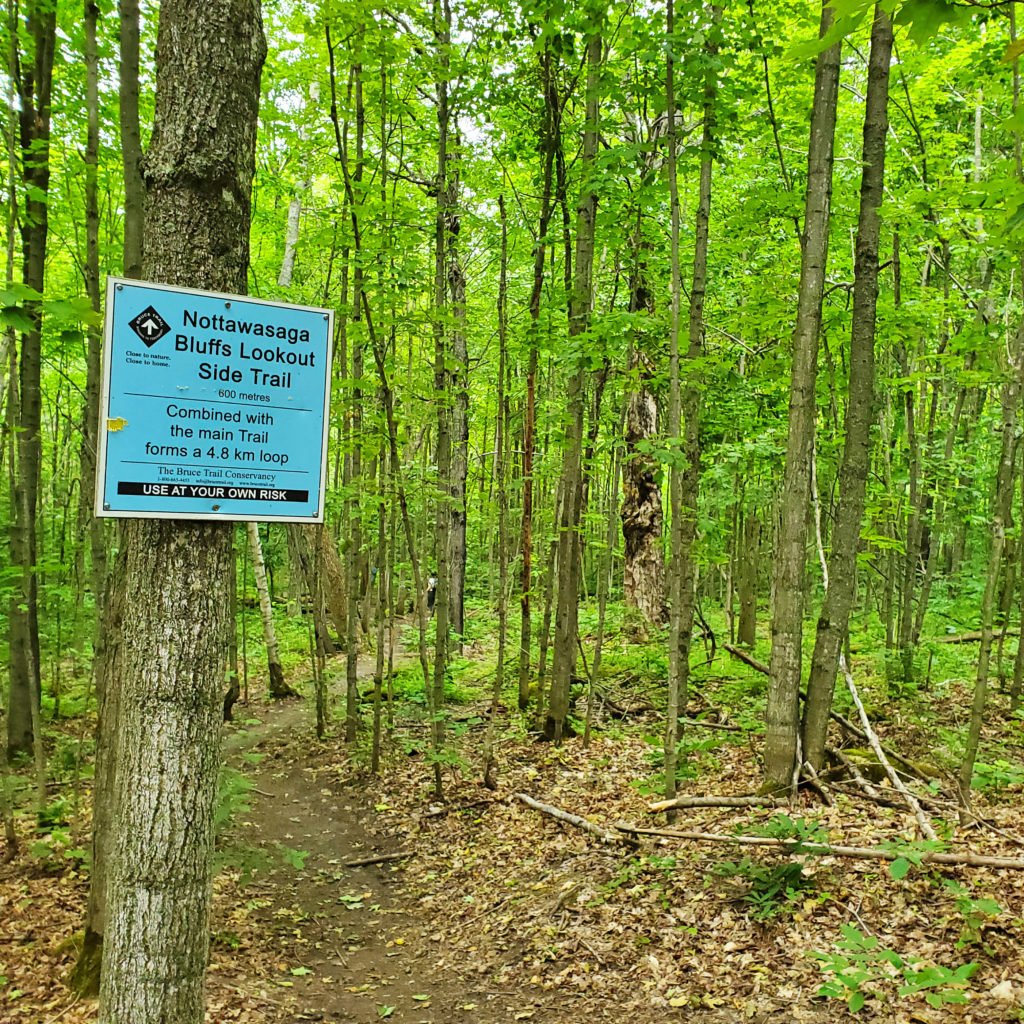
<point x="624" y="355"/>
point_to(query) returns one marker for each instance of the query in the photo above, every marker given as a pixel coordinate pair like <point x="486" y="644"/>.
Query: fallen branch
<point x="619" y="709"/>
<point x="748" y="659"/>
<point x="574" y="819"/>
<point x="442" y="811"/>
<point x="717" y="801"/>
<point x="968" y="638"/>
<point x="383" y="858"/>
<point x="923" y="821"/>
<point x="973" y="860"/>
<point x="704" y="723"/>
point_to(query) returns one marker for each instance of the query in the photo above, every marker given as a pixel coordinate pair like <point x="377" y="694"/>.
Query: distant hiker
<point x="431" y="594"/>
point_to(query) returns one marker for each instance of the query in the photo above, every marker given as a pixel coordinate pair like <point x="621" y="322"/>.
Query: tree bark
<point x="747" y="586"/>
<point x="790" y="583"/>
<point x="548" y="141"/>
<point x="278" y="687"/>
<point x="685" y="472"/>
<point x="581" y="300"/>
<point x="198" y="176"/>
<point x="643" y="570"/>
<point x="131" y="137"/>
<point x="833" y="621"/>
<point x="34" y="84"/>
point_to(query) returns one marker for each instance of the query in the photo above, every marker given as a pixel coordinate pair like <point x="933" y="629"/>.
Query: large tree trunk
<point x="643" y="570"/>
<point x="199" y="176"/>
<point x="833" y="621"/>
<point x="790" y="583"/>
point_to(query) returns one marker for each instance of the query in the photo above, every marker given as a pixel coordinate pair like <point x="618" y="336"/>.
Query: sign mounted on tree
<point x="213" y="406"/>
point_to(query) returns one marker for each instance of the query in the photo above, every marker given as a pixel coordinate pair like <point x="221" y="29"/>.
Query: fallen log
<point x="717" y="801"/>
<point x="568" y="818"/>
<point x="974" y="860"/>
<point x="972" y="637"/>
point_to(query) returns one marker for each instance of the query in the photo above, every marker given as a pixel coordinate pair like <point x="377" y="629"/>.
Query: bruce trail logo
<point x="150" y="326"/>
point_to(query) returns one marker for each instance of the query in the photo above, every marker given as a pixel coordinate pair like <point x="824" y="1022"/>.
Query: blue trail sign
<point x="213" y="406"/>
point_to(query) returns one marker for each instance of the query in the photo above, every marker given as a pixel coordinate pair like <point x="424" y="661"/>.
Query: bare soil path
<point x="329" y="942"/>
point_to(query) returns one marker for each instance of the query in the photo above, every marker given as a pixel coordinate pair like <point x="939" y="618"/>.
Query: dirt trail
<point x="347" y="943"/>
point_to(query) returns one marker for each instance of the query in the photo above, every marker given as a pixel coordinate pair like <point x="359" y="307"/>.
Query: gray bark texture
<point x="789" y="585"/>
<point x="580" y="303"/>
<point x="834" y="619"/>
<point x="34" y="82"/>
<point x="198" y="176"/>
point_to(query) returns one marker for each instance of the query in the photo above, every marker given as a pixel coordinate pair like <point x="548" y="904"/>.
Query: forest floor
<point x="497" y="913"/>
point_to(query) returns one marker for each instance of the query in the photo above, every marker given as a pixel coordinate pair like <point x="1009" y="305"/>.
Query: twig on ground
<point x="381" y="858"/>
<point x="923" y="822"/>
<point x="574" y="819"/>
<point x="974" y="860"/>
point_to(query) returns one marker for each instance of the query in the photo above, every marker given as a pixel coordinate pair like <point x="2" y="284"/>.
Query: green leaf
<point x="1014" y="50"/>
<point x="856" y="1002"/>
<point x="385" y="1011"/>
<point x="300" y="972"/>
<point x="899" y="868"/>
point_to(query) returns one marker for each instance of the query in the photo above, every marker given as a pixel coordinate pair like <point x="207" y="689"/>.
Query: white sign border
<point x="104" y="411"/>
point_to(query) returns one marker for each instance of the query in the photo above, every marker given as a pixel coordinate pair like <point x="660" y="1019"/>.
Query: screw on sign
<point x="150" y="326"/>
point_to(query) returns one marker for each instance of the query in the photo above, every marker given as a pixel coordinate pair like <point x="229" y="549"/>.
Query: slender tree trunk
<point x="382" y="561"/>
<point x="581" y="301"/>
<point x="353" y="562"/>
<point x="107" y="664"/>
<point x="442" y="388"/>
<point x="459" y="413"/>
<point x="1001" y="505"/>
<point x="685" y="478"/>
<point x="131" y="137"/>
<point x="501" y="420"/>
<point x="749" y="559"/>
<point x="197" y="225"/>
<point x="790" y="577"/>
<point x="278" y="687"/>
<point x="90" y="419"/>
<point x="547" y="145"/>
<point x="833" y="621"/>
<point x="34" y="83"/>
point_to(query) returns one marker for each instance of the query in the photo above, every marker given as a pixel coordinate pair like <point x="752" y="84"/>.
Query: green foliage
<point x="975" y="911"/>
<point x="996" y="775"/>
<point x="771" y="891"/>
<point x="863" y="969"/>
<point x="649" y="871"/>
<point x="908" y="854"/>
<point x="54" y="845"/>
<point x="233" y="790"/>
<point x="799" y="831"/>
